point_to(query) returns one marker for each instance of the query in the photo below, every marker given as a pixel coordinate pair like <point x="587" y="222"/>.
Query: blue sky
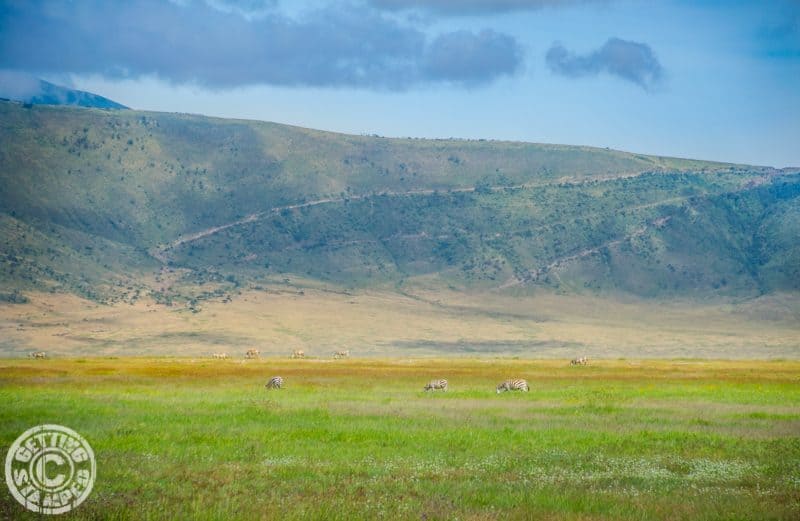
<point x="706" y="79"/>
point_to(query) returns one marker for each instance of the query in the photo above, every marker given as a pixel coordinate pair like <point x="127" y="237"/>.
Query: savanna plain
<point x="194" y="438"/>
<point x="135" y="245"/>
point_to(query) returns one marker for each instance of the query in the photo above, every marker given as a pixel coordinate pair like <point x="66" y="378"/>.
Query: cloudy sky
<point x="704" y="79"/>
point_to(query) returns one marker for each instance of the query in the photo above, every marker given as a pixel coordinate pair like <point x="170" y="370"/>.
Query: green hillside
<point x="98" y="202"/>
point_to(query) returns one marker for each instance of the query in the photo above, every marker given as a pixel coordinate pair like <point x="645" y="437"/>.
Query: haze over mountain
<point x="28" y="89"/>
<point x="97" y="202"/>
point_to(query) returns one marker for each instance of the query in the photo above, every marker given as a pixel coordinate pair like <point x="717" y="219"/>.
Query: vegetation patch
<point x="360" y="439"/>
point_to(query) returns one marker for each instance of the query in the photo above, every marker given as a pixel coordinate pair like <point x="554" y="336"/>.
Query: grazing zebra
<point x="517" y="384"/>
<point x="252" y="353"/>
<point x="37" y="354"/>
<point x="220" y="356"/>
<point x="276" y="382"/>
<point x="298" y="354"/>
<point x="341" y="354"/>
<point x="436" y="384"/>
<point x="579" y="361"/>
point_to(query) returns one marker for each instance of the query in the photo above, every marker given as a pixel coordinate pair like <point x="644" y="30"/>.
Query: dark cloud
<point x="468" y="58"/>
<point x="631" y="61"/>
<point x="211" y="44"/>
<point x="473" y="7"/>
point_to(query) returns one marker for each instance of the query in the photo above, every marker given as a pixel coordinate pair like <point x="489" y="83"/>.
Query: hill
<point x="128" y="206"/>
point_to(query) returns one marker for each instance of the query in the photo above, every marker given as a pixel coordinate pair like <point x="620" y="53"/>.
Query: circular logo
<point x="50" y="469"/>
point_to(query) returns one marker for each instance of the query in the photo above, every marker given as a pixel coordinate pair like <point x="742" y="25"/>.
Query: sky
<point x="705" y="79"/>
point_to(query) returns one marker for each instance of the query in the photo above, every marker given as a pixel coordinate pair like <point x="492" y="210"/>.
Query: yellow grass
<point x="425" y="323"/>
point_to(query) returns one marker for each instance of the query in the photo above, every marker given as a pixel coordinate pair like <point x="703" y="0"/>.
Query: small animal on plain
<point x="252" y="353"/>
<point x="276" y="382"/>
<point x="579" y="361"/>
<point x="436" y="384"/>
<point x="341" y="354"/>
<point x="298" y="354"/>
<point x="220" y="356"/>
<point x="517" y="384"/>
<point x="38" y="355"/>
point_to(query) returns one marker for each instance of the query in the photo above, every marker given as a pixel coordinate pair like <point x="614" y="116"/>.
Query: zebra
<point x="220" y="356"/>
<point x="276" y="382"/>
<point x="579" y="361"/>
<point x="341" y="354"/>
<point x="37" y="355"/>
<point x="516" y="384"/>
<point x="436" y="384"/>
<point x="252" y="353"/>
<point x="298" y="354"/>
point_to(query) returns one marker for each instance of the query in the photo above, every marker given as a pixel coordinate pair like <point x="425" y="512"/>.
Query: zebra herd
<point x="515" y="384"/>
<point x="300" y="354"/>
<point x="508" y="385"/>
<point x="276" y="382"/>
<point x="252" y="354"/>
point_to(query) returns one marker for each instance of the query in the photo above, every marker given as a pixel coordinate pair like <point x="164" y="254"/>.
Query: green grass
<point x="193" y="439"/>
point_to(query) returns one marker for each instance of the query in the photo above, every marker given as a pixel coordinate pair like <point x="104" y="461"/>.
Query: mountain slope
<point x="100" y="203"/>
<point x="39" y="92"/>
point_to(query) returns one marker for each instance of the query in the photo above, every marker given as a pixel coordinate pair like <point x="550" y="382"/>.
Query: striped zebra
<point x="220" y="356"/>
<point x="252" y="353"/>
<point x="38" y="355"/>
<point x="436" y="384"/>
<point x="579" y="361"/>
<point x="517" y="384"/>
<point x="341" y="354"/>
<point x="298" y="354"/>
<point x="276" y="382"/>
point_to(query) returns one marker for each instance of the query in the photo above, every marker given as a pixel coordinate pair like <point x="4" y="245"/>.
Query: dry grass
<point x="426" y="323"/>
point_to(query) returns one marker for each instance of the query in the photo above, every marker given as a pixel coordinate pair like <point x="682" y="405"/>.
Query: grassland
<point x="283" y="315"/>
<point x="358" y="439"/>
